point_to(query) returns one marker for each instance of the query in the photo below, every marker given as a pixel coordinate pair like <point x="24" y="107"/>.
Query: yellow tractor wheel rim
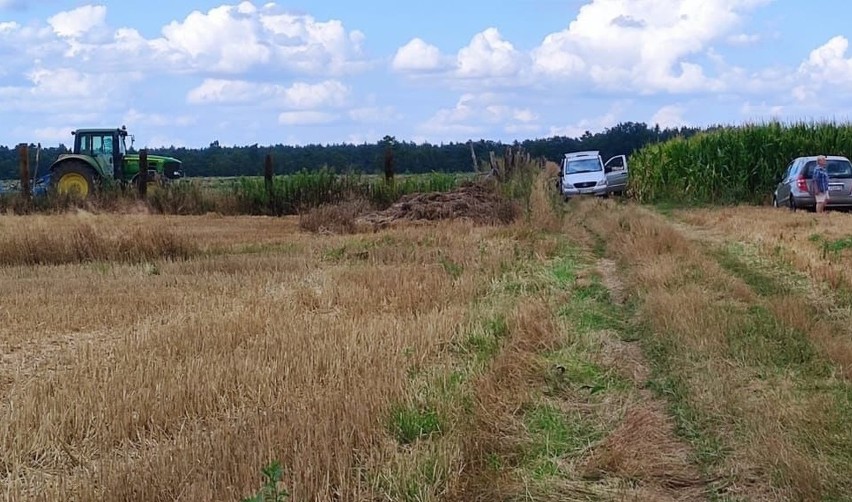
<point x="74" y="183"/>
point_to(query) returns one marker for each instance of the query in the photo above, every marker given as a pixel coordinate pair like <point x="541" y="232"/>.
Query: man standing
<point x="820" y="184"/>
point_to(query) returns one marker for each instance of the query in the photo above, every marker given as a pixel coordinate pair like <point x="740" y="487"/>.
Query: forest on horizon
<point x="409" y="158"/>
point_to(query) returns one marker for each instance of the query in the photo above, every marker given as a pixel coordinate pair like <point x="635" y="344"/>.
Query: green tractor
<point x="101" y="154"/>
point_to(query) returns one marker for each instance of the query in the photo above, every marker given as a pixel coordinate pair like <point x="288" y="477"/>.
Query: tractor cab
<point x="106" y="147"/>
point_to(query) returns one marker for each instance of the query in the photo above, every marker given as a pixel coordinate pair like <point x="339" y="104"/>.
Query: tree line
<point x="408" y="157"/>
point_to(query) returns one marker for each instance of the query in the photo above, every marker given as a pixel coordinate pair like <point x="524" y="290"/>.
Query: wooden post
<point x="493" y="163"/>
<point x="35" y="171"/>
<point x="24" y="154"/>
<point x="268" y="172"/>
<point x="388" y="163"/>
<point x="142" y="177"/>
<point x="473" y="156"/>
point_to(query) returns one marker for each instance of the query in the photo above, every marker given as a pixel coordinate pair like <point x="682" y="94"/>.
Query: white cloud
<point x="232" y="39"/>
<point x="303" y="96"/>
<point x="224" y="39"/>
<point x="596" y="124"/>
<point x="306" y="118"/>
<point x="824" y="77"/>
<point x="417" y="55"/>
<point x="56" y="135"/>
<point x="761" y="111"/>
<point x="299" y="95"/>
<point x="62" y="90"/>
<point x="555" y="57"/>
<point x="642" y="44"/>
<point x="225" y="91"/>
<point x="669" y="116"/>
<point x="305" y="44"/>
<point x="374" y="114"/>
<point x="474" y="113"/>
<point x="134" y="116"/>
<point x="803" y="93"/>
<point x="489" y="55"/>
<point x="828" y="63"/>
<point x="78" y="21"/>
<point x="743" y="39"/>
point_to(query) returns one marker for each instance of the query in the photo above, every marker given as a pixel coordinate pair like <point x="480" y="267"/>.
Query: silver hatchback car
<point x="795" y="190"/>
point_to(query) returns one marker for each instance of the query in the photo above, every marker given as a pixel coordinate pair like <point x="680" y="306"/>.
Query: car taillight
<point x="802" y="184"/>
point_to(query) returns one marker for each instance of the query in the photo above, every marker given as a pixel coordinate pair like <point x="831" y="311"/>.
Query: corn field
<point x="731" y="164"/>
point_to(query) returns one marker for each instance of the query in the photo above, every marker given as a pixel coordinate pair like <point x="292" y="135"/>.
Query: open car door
<point x="616" y="174"/>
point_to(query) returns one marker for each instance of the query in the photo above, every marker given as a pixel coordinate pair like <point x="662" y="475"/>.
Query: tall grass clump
<point x="382" y="194"/>
<point x="295" y="193"/>
<point x="110" y="197"/>
<point x="81" y="242"/>
<point x="516" y="173"/>
<point x="731" y="164"/>
<point x="188" y="197"/>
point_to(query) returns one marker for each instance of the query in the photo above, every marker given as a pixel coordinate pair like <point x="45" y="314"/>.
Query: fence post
<point x="24" y="154"/>
<point x="142" y="177"/>
<point x="268" y="174"/>
<point x="388" y="163"/>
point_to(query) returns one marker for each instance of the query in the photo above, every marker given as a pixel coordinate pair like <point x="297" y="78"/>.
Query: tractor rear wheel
<point x="75" y="179"/>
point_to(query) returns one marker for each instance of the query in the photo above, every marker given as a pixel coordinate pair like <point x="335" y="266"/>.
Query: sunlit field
<point x="594" y="350"/>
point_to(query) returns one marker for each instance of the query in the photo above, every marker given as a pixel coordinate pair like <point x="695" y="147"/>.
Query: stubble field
<point x="599" y="350"/>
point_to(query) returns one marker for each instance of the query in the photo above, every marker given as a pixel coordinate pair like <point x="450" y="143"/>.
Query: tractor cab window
<point x="102" y="145"/>
<point x="85" y="145"/>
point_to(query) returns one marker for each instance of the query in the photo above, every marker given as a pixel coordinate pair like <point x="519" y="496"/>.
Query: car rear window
<point x="838" y="169"/>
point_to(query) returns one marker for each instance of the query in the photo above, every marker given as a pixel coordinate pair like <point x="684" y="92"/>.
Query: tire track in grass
<point x="739" y="397"/>
<point x="562" y="414"/>
<point x="788" y="337"/>
<point x="645" y="445"/>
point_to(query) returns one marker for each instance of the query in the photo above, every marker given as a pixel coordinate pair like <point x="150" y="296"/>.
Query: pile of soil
<point x="475" y="202"/>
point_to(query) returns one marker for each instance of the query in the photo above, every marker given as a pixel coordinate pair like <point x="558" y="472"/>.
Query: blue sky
<point x="314" y="71"/>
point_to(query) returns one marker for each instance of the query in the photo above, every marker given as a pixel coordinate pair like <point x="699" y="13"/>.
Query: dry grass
<point x="506" y="387"/>
<point x="646" y="432"/>
<point x="75" y="239"/>
<point x="334" y="218"/>
<point x="734" y="359"/>
<point x="170" y="358"/>
<point x="794" y="241"/>
<point x="179" y="380"/>
<point x="554" y="439"/>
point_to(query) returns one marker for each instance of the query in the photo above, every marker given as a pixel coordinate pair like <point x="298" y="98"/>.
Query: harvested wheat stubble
<point x="475" y="202"/>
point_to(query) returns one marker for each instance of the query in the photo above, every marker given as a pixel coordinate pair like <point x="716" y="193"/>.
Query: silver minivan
<point x="795" y="190"/>
<point x="585" y="173"/>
